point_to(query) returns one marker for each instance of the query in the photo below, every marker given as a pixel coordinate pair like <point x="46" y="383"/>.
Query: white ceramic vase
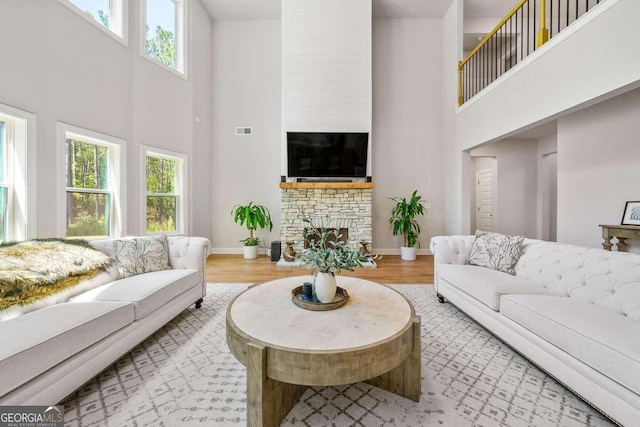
<point x="325" y="284"/>
<point x="250" y="252"/>
<point x="408" y="253"/>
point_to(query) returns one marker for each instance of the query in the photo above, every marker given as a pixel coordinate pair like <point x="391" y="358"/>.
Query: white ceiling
<point x="270" y="9"/>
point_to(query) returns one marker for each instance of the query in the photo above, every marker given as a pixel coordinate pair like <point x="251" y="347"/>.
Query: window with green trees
<point x="108" y="14"/>
<point x="89" y="194"/>
<point x="165" y="32"/>
<point x="163" y="193"/>
<point x="3" y="186"/>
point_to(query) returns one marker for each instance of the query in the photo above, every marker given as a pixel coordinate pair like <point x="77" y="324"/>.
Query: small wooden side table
<point x="622" y="232"/>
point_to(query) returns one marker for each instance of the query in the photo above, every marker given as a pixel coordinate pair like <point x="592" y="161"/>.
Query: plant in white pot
<point x="326" y="255"/>
<point x="254" y="217"/>
<point x="403" y="223"/>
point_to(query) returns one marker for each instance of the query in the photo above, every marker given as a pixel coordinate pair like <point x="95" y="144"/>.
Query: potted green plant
<point x="403" y="223"/>
<point x="326" y="255"/>
<point x="254" y="217"/>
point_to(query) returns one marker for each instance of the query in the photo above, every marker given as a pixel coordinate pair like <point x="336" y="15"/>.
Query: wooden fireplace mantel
<point x="328" y="185"/>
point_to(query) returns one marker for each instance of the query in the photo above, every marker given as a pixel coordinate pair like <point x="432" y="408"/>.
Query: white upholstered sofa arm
<point x="449" y="250"/>
<point x="189" y="252"/>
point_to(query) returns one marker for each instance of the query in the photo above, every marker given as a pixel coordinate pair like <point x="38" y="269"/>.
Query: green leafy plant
<point x="327" y="253"/>
<point x="254" y="217"/>
<point x="403" y="217"/>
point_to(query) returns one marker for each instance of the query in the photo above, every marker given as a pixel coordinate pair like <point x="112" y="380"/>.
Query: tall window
<point x="165" y="191"/>
<point x="110" y="15"/>
<point x="165" y="38"/>
<point x="92" y="186"/>
<point x="4" y="186"/>
<point x="17" y="138"/>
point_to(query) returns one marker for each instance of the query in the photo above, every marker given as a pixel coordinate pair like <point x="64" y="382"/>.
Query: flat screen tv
<point x="327" y="155"/>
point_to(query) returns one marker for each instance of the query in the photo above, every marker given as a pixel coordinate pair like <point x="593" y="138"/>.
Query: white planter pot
<point x="250" y="252"/>
<point x="325" y="284"/>
<point x="408" y="254"/>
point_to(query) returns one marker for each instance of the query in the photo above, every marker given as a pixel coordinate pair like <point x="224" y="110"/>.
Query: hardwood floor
<point x="391" y="270"/>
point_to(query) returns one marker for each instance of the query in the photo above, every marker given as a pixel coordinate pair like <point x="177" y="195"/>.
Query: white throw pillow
<point x="496" y="251"/>
<point x="141" y="255"/>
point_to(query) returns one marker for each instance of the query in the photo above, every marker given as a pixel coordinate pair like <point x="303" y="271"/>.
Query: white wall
<point x="561" y="76"/>
<point x="516" y="192"/>
<point x="201" y="162"/>
<point x="246" y="93"/>
<point x="598" y="168"/>
<point x="407" y="123"/>
<point x="455" y="162"/>
<point x="62" y="68"/>
<point x="547" y="188"/>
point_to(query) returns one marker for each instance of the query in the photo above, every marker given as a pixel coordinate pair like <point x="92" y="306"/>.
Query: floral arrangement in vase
<point x="327" y="255"/>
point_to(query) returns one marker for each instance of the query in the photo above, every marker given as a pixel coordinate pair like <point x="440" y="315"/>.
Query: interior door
<point x="484" y="200"/>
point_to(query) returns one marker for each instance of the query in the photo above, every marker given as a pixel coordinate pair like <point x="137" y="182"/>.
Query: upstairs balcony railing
<point x="529" y="25"/>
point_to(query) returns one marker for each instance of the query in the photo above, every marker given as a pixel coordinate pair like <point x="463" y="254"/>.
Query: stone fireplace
<point x="342" y="209"/>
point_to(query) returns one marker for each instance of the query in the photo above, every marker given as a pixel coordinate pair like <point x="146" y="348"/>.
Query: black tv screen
<point x="327" y="155"/>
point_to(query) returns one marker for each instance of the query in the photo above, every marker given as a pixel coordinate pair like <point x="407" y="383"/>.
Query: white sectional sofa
<point x="48" y="353"/>
<point x="573" y="311"/>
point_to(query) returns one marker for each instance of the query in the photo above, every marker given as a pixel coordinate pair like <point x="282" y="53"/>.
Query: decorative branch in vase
<point x="326" y="255"/>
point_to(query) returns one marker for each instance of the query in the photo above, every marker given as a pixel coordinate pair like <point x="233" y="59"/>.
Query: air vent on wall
<point x="243" y="131"/>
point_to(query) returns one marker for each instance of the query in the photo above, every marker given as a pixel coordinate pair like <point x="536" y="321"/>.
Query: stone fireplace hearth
<point x="339" y="208"/>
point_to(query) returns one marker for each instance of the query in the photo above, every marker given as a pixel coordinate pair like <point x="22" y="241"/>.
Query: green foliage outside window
<point x="161" y="32"/>
<point x="86" y="225"/>
<point x="162" y="46"/>
<point x="88" y="169"/>
<point x="162" y="200"/>
<point x="103" y="18"/>
<point x="87" y="165"/>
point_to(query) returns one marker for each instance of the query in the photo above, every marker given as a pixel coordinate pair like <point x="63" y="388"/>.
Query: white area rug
<point x="184" y="375"/>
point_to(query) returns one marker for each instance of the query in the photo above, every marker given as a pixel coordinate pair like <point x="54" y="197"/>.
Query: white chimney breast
<point x="326" y="68"/>
<point x="326" y="87"/>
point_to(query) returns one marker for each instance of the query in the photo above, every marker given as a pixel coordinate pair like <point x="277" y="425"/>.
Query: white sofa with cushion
<point x="571" y="310"/>
<point x="49" y="352"/>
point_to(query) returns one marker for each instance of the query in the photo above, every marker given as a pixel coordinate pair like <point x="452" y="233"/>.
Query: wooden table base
<point x="269" y="401"/>
<point x="405" y="380"/>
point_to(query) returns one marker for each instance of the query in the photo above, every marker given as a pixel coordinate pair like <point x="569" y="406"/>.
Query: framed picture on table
<point x="631" y="214"/>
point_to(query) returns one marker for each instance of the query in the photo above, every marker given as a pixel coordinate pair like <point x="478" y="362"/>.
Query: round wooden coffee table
<point x="375" y="337"/>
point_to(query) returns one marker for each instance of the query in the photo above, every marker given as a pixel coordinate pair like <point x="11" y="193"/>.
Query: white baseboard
<point x="234" y="251"/>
